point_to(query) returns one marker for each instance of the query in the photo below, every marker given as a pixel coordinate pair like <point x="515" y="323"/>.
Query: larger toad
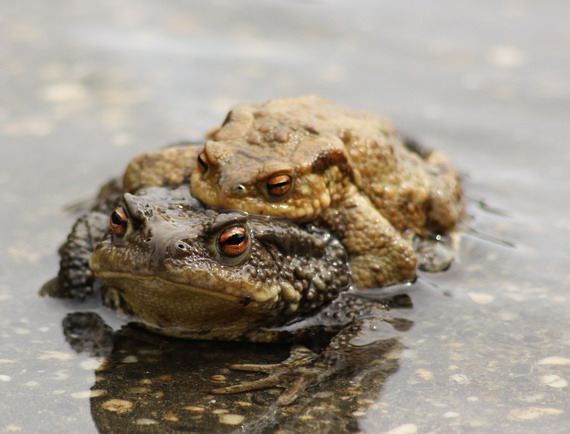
<point x="192" y="272"/>
<point x="184" y="270"/>
<point x="308" y="159"/>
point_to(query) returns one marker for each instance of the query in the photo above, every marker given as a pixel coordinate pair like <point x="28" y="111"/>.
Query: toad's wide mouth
<point x="126" y="282"/>
<point x="150" y="286"/>
<point x="183" y="309"/>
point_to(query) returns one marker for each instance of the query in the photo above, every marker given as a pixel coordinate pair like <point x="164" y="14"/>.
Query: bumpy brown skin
<point x="351" y="173"/>
<point x="169" y="271"/>
<point x="164" y="265"/>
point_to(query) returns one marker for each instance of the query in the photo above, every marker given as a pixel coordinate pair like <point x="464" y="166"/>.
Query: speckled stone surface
<point x="84" y="86"/>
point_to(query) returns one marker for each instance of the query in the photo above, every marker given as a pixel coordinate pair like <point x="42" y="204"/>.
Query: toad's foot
<point x="299" y="372"/>
<point x="356" y="347"/>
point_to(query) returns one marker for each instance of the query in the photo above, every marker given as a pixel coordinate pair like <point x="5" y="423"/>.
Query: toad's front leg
<point x="75" y="279"/>
<point x="380" y="255"/>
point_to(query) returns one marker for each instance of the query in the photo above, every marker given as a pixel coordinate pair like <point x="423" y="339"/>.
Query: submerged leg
<point x="352" y="349"/>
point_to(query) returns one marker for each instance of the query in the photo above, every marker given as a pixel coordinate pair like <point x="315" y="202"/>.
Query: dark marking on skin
<point x="312" y="129"/>
<point x="228" y="118"/>
<point x="326" y="159"/>
<point x="246" y="300"/>
<point x="416" y="147"/>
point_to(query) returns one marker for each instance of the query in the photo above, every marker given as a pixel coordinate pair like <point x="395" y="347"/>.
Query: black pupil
<point x="202" y="163"/>
<point x="235" y="239"/>
<point x="117" y="219"/>
<point x="279" y="184"/>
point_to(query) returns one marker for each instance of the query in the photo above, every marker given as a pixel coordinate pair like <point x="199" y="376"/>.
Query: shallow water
<point x="88" y="85"/>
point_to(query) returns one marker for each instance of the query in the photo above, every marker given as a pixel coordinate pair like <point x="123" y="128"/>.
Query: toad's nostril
<point x="239" y="190"/>
<point x="178" y="249"/>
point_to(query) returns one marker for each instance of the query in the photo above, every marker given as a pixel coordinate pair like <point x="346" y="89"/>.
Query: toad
<point x="310" y="160"/>
<point x="188" y="271"/>
<point x="180" y="269"/>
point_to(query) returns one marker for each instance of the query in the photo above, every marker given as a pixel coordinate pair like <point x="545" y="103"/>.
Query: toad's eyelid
<point x="224" y="220"/>
<point x="202" y="161"/>
<point x="133" y="206"/>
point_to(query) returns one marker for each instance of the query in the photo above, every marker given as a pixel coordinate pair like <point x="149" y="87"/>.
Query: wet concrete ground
<point x="84" y="86"/>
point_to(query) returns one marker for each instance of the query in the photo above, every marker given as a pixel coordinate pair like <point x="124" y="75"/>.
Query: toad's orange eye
<point x="233" y="241"/>
<point x="118" y="221"/>
<point x="202" y="162"/>
<point x="279" y="185"/>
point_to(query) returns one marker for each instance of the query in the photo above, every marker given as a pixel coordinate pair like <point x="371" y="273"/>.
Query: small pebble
<point x="60" y="376"/>
<point x="170" y="417"/>
<point x="460" y="379"/>
<point x="555" y="360"/>
<point x="231" y="419"/>
<point x="481" y="297"/>
<point x="354" y="392"/>
<point x="424" y="374"/>
<point x="365" y="401"/>
<point x="194" y="409"/>
<point x="55" y="355"/>
<point x="145" y="421"/>
<point x="86" y="394"/>
<point x="537" y="397"/>
<point x="91" y="364"/>
<point x="139" y="390"/>
<point x="553" y="380"/>
<point x="530" y="413"/>
<point x="407" y="428"/>
<point x="118" y="406"/>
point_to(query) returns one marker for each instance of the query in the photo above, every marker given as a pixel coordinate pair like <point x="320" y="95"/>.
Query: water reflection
<point x="147" y="380"/>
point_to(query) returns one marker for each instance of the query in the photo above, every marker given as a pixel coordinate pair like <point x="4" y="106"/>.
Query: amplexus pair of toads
<point x="349" y="192"/>
<point x="309" y="160"/>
